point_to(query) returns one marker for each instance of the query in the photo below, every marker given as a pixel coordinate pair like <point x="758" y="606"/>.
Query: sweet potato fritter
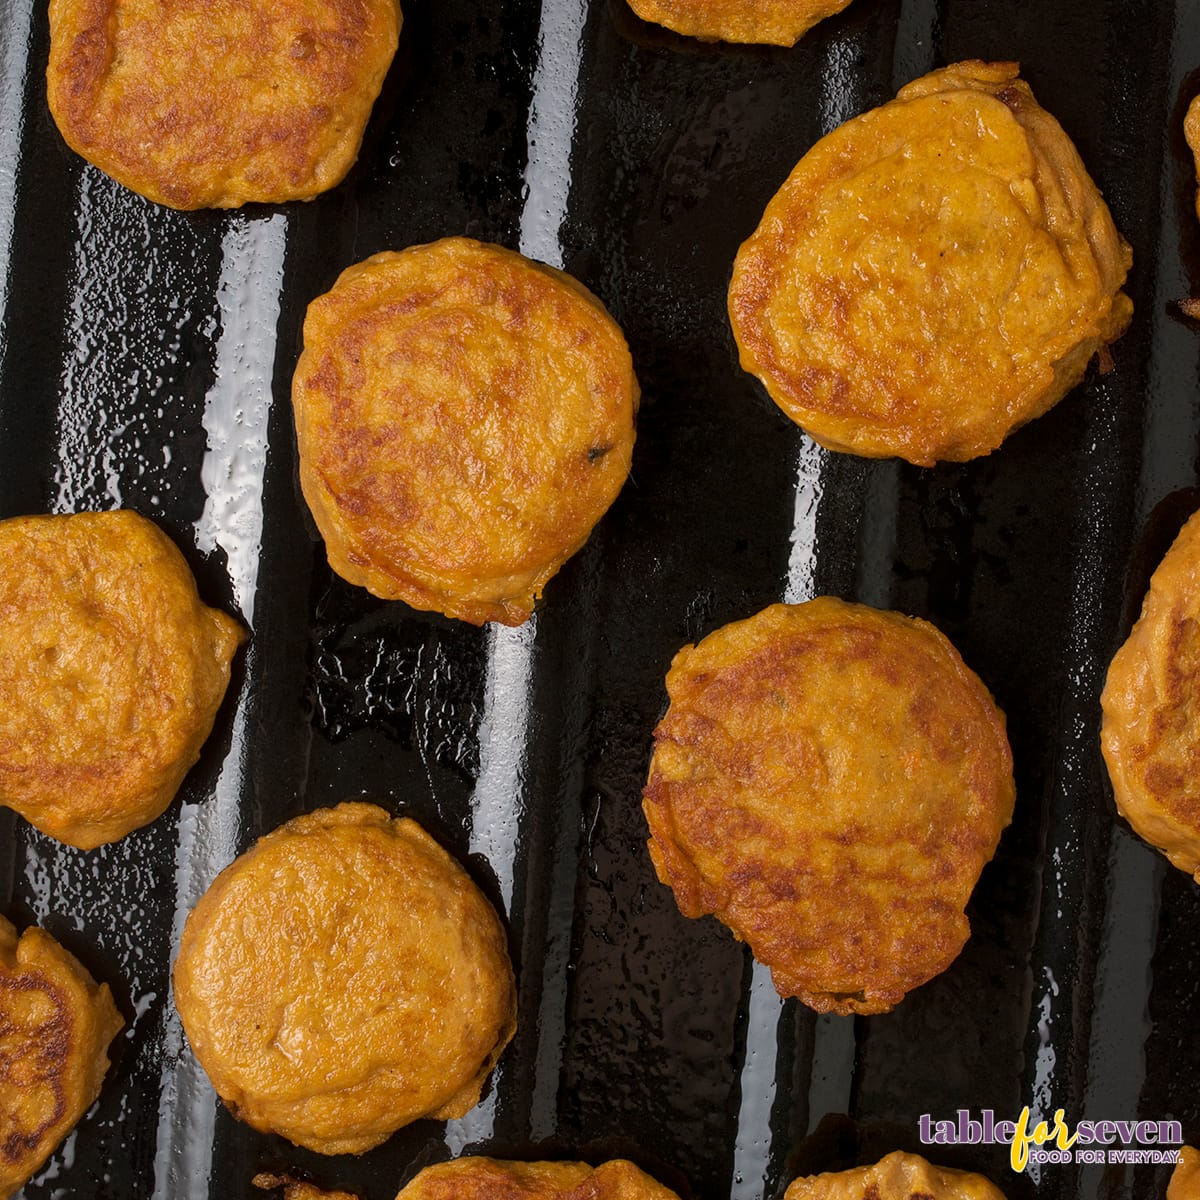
<point x="343" y="978"/>
<point x="829" y="781"/>
<point x="766" y="22"/>
<point x="899" y="1176"/>
<point x="202" y="105"/>
<point x="464" y="417"/>
<point x="493" y="1179"/>
<point x="55" y="1027"/>
<point x="111" y="672"/>
<point x="932" y="274"/>
<point x="298" y="1189"/>
<point x="1150" y="734"/>
<point x="1191" y="132"/>
<point x="1185" y="1179"/>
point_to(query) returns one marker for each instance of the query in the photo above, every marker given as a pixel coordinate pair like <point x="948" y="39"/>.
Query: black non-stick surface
<point x="145" y="361"/>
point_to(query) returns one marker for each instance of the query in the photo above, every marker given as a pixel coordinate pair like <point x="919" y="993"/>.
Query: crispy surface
<point x="55" y="1027"/>
<point x="198" y="104"/>
<point x="464" y="417"/>
<point x="297" y="1189"/>
<point x="1185" y="1179"/>
<point x="111" y="672"/>
<point x="898" y="1176"/>
<point x="343" y="978"/>
<point x="1150" y="733"/>
<point x="932" y="274"/>
<point x="829" y="781"/>
<point x="768" y="22"/>
<point x="494" y="1179"/>
<point x="1191" y="132"/>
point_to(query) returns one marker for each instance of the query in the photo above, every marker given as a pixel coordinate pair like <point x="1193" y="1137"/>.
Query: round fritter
<point x="494" y="1179"/>
<point x="767" y="22"/>
<point x="343" y="978"/>
<point x="1185" y="1179"/>
<point x="829" y="781"/>
<point x="203" y="105"/>
<point x="111" y="672"/>
<point x="1150" y="733"/>
<point x="464" y="417"/>
<point x="932" y="274"/>
<point x="898" y="1176"/>
<point x="55" y="1027"/>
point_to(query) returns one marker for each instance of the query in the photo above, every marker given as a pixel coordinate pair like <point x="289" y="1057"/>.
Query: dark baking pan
<point x="145" y="361"/>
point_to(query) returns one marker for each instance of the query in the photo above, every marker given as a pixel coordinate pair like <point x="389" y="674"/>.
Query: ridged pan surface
<point x="145" y="361"/>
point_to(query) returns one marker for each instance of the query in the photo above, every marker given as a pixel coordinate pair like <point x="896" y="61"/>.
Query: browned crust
<point x="111" y="672"/>
<point x="198" y="107"/>
<point x="494" y="1179"/>
<point x="464" y="417"/>
<point x="297" y="1189"/>
<point x="898" y="1176"/>
<point x="829" y="780"/>
<point x="932" y="274"/>
<point x="55" y="1027"/>
<point x="343" y="978"/>
<point x="1191" y="133"/>
<point x="765" y="22"/>
<point x="1150" y="733"/>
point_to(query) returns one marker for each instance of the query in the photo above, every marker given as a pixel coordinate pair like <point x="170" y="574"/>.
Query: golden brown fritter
<point x="55" y="1027"/>
<point x="829" y="780"/>
<point x="343" y="978"/>
<point x="297" y="1189"/>
<point x="1150" y="734"/>
<point x="464" y="417"/>
<point x="111" y="672"/>
<point x="494" y="1179"/>
<point x="767" y="22"/>
<point x="1185" y="1179"/>
<point x="899" y="1176"/>
<point x="1191" y="132"/>
<point x="932" y="274"/>
<point x="203" y="105"/>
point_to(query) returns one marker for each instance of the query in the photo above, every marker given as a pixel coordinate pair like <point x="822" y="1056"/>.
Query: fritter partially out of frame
<point x="1191" y="132"/>
<point x="111" y="672"/>
<point x="298" y="1189"/>
<point x="202" y="105"/>
<point x="343" y="978"/>
<point x="933" y="273"/>
<point x="493" y="1179"/>
<point x="55" y="1028"/>
<point x="898" y="1176"/>
<point x="829" y="780"/>
<point x="1150" y="734"/>
<point x="464" y="417"/>
<point x="767" y="22"/>
<point x="1185" y="1179"/>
